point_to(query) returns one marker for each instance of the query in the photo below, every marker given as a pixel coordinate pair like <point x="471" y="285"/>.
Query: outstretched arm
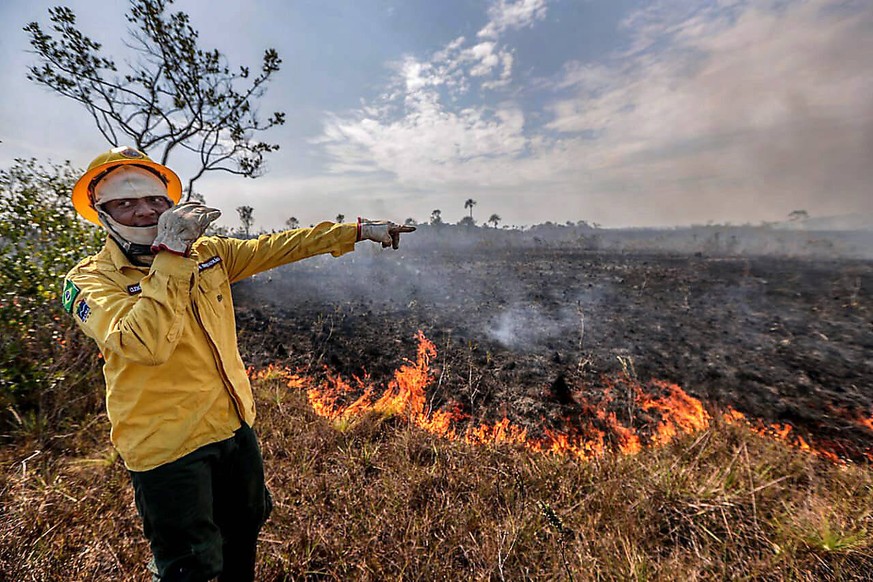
<point x="244" y="258"/>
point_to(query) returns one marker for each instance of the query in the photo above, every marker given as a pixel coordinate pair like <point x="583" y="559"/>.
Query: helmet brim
<point x="82" y="197"/>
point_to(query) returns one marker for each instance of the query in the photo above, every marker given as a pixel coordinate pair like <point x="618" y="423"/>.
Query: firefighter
<point x="157" y="300"/>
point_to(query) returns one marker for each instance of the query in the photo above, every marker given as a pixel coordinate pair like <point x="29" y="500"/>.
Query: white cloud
<point x="417" y="133"/>
<point x="506" y="60"/>
<point x="508" y="15"/>
<point x="484" y="57"/>
<point x="430" y="145"/>
<point x="734" y="110"/>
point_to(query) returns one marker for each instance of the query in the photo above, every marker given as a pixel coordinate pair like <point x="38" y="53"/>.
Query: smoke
<point x="499" y="286"/>
<point x="511" y="327"/>
<point x="507" y="291"/>
<point x="725" y="111"/>
<point x="526" y="326"/>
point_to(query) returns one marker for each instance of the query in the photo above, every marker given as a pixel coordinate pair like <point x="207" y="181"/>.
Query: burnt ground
<point x="527" y="332"/>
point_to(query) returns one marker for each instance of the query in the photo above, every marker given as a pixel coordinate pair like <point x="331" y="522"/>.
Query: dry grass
<point x="374" y="499"/>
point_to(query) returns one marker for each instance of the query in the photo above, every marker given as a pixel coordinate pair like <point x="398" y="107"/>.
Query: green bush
<point x="48" y="370"/>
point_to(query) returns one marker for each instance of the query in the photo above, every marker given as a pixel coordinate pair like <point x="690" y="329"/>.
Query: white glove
<point x="382" y="231"/>
<point x="181" y="225"/>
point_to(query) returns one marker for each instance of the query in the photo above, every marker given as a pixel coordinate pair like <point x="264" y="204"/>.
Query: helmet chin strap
<point x="133" y="240"/>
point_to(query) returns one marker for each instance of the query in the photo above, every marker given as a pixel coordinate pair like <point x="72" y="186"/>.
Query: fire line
<point x="670" y="412"/>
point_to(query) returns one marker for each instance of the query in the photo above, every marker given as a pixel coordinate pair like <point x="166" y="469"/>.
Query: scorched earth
<point x="576" y="350"/>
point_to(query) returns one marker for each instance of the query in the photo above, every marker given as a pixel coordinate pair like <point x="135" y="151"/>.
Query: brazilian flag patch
<point x="69" y="296"/>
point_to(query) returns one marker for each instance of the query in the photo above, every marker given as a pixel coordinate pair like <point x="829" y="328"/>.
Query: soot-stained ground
<point x="529" y="332"/>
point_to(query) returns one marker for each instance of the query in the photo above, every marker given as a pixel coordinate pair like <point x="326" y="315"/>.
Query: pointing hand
<point x="382" y="231"/>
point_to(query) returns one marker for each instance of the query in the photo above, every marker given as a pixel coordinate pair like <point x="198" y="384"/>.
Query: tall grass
<point x="375" y="499"/>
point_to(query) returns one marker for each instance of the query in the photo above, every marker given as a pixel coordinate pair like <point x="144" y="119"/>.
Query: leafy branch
<point x="173" y="95"/>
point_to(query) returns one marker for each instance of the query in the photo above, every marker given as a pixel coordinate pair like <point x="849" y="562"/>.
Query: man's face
<point x="137" y="211"/>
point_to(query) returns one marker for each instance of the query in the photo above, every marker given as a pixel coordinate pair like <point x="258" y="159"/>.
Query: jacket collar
<point x="112" y="254"/>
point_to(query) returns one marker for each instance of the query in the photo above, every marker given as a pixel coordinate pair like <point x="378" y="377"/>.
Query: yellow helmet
<point x="100" y="166"/>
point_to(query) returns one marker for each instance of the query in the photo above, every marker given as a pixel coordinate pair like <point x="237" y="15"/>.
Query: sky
<point x="619" y="112"/>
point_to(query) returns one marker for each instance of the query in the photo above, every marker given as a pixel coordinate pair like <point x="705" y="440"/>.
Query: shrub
<point x="47" y="369"/>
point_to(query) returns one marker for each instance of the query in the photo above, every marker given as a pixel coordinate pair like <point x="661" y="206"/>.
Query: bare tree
<point x="246" y="217"/>
<point x="470" y="203"/>
<point x="172" y="96"/>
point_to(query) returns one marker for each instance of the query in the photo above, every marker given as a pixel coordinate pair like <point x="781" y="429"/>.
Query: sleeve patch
<point x="69" y="295"/>
<point x="83" y="311"/>
<point x="209" y="263"/>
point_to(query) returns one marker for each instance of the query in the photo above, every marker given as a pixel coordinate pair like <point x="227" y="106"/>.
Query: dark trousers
<point x="202" y="513"/>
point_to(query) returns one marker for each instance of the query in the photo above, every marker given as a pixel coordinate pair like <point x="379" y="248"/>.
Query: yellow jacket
<point x="174" y="377"/>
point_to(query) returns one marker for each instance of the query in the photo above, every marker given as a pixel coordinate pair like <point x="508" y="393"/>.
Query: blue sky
<point x="626" y="113"/>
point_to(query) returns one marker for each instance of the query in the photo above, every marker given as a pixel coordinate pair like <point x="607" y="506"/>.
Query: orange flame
<point x="628" y="441"/>
<point x="500" y="432"/>
<point x="672" y="413"/>
<point x="680" y="413"/>
<point x="405" y="396"/>
<point x="783" y="432"/>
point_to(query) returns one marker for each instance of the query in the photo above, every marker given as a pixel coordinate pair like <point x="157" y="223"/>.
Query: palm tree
<point x="470" y="203"/>
<point x="494" y="220"/>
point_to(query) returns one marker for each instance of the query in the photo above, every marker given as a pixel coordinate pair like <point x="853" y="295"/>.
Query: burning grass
<point x="371" y="496"/>
<point x="664" y="411"/>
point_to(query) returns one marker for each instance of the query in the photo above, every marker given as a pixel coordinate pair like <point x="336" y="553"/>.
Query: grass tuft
<point x="372" y="498"/>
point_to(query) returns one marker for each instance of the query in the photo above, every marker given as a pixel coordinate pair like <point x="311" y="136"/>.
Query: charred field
<point x="546" y="335"/>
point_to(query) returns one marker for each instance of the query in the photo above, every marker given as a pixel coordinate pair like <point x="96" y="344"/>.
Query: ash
<point x="784" y="337"/>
